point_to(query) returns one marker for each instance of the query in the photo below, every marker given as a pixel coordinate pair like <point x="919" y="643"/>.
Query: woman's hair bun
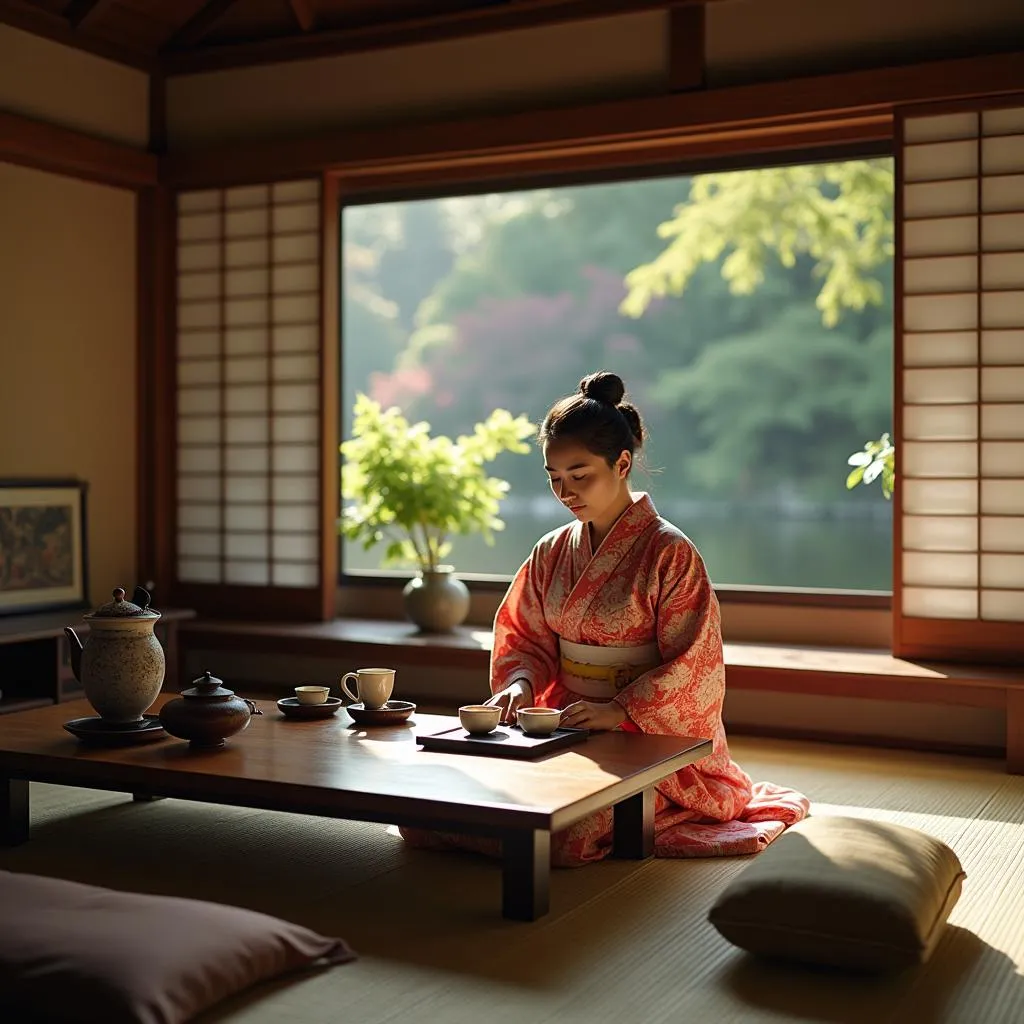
<point x="603" y="387"/>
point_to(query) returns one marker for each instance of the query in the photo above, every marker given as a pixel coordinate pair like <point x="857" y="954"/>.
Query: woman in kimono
<point x="613" y="619"/>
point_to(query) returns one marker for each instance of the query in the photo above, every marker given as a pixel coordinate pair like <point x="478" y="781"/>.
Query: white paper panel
<point x="304" y="547"/>
<point x="246" y="370"/>
<point x="1002" y="571"/>
<point x="251" y="574"/>
<point x="1003" y="156"/>
<point x="198" y="371"/>
<point x="297" y="368"/>
<point x="945" y="386"/>
<point x="246" y="312"/>
<point x="295" y="337"/>
<point x="247" y="195"/>
<point x="1002" y="309"/>
<point x="196" y="570"/>
<point x="198" y="488"/>
<point x="295" y="397"/>
<point x="296" y="429"/>
<point x="296" y="248"/>
<point x="1002" y="193"/>
<point x="930" y="569"/>
<point x="940" y="533"/>
<point x="1002" y="458"/>
<point x="940" y="423"/>
<point x="295" y="191"/>
<point x="247" y="282"/>
<point x="199" y="257"/>
<point x="294" y="574"/>
<point x="198" y="401"/>
<point x="298" y="217"/>
<point x="1002" y="605"/>
<point x="239" y="341"/>
<point x="198" y="460"/>
<point x="199" y="344"/>
<point x="1002" y="121"/>
<point x="247" y="252"/>
<point x="247" y="545"/>
<point x="296" y="517"/>
<point x="955" y="348"/>
<point x="201" y="285"/>
<point x="940" y="459"/>
<point x="246" y="223"/>
<point x="199" y="430"/>
<point x="940" y="160"/>
<point x="297" y="277"/>
<point x="246" y="460"/>
<point x="940" y="274"/>
<point x="247" y="399"/>
<point x="940" y="198"/>
<point x="246" y="517"/>
<point x="296" y="458"/>
<point x="246" y="488"/>
<point x="940" y="128"/>
<point x="247" y="430"/>
<point x="203" y="545"/>
<point x="198" y="517"/>
<point x="198" y="314"/>
<point x="1004" y="533"/>
<point x="940" y="312"/>
<point x="947" y="236"/>
<point x="940" y="604"/>
<point x="1002" y="231"/>
<point x="1002" y="422"/>
<point x="197" y="202"/>
<point x="198" y="227"/>
<point x="296" y="489"/>
<point x="1003" y="270"/>
<point x="1002" y="497"/>
<point x="940" y="497"/>
<point x="296" y="309"/>
<point x="1002" y="383"/>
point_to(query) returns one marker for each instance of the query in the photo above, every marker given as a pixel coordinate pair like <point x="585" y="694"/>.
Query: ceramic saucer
<point x="96" y="731"/>
<point x="392" y="713"/>
<point x="291" y="708"/>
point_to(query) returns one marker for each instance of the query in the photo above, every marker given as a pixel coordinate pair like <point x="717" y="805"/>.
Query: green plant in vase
<point x="411" y="491"/>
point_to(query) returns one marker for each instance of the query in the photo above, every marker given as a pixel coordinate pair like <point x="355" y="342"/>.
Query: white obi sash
<point x="598" y="673"/>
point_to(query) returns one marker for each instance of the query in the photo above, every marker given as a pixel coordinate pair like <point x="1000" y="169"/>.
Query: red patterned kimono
<point x="645" y="587"/>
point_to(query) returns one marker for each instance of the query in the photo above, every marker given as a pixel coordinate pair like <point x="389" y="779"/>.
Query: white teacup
<point x="480" y="719"/>
<point x="373" y="686"/>
<point x="312" y="694"/>
<point x="539" y="721"/>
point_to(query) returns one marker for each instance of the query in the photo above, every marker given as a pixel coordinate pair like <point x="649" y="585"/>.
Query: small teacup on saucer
<point x="479" y="719"/>
<point x="312" y="694"/>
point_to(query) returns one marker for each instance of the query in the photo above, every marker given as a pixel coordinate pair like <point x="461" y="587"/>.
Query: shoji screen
<point x="960" y="388"/>
<point x="248" y="390"/>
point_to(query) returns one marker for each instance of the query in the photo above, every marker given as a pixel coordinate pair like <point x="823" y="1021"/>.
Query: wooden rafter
<point x="198" y="25"/>
<point x="305" y="14"/>
<point x="80" y="12"/>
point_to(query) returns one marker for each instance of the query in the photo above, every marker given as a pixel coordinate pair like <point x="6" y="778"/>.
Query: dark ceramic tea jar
<point x="207" y="713"/>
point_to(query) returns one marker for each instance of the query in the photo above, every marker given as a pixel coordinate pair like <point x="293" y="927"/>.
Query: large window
<point x="749" y="312"/>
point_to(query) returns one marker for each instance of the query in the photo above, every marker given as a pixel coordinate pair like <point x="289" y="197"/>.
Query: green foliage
<point x="876" y="461"/>
<point x="838" y="214"/>
<point x="412" y="491"/>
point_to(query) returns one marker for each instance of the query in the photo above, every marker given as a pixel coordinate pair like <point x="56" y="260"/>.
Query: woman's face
<point x="584" y="482"/>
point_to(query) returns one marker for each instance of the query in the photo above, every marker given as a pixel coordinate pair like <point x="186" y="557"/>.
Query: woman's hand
<point x="585" y="714"/>
<point x="515" y="696"/>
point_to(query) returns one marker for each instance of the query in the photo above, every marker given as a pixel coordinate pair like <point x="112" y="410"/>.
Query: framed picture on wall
<point x="42" y="545"/>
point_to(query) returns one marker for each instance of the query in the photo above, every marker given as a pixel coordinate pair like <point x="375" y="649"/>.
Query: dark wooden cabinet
<point x="35" y="658"/>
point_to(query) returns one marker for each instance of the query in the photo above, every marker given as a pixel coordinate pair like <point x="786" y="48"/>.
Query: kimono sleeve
<point x="524" y="647"/>
<point x="683" y="695"/>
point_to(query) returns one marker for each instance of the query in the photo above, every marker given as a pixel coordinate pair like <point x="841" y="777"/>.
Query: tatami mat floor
<point x="623" y="943"/>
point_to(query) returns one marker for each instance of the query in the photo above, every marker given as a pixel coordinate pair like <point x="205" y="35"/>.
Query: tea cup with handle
<point x="373" y="686"/>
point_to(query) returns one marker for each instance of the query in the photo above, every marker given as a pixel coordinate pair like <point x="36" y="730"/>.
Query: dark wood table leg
<point x="13" y="811"/>
<point x="634" y="826"/>
<point x="526" y="873"/>
<point x="145" y="798"/>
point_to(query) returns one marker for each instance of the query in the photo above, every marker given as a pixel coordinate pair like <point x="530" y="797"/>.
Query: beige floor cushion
<point x="71" y="952"/>
<point x="846" y="892"/>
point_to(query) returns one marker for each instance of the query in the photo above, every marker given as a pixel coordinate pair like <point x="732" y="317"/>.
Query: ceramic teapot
<point x="207" y="713"/>
<point x="121" y="665"/>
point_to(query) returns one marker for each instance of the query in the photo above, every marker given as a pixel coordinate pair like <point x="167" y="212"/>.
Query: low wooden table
<point x="336" y="769"/>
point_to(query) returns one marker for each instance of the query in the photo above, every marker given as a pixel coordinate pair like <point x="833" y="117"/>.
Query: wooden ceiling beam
<point x="198" y="25"/>
<point x="305" y="14"/>
<point x="80" y="12"/>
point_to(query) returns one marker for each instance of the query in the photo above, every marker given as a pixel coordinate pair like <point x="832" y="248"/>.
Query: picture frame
<point x="43" y="563"/>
